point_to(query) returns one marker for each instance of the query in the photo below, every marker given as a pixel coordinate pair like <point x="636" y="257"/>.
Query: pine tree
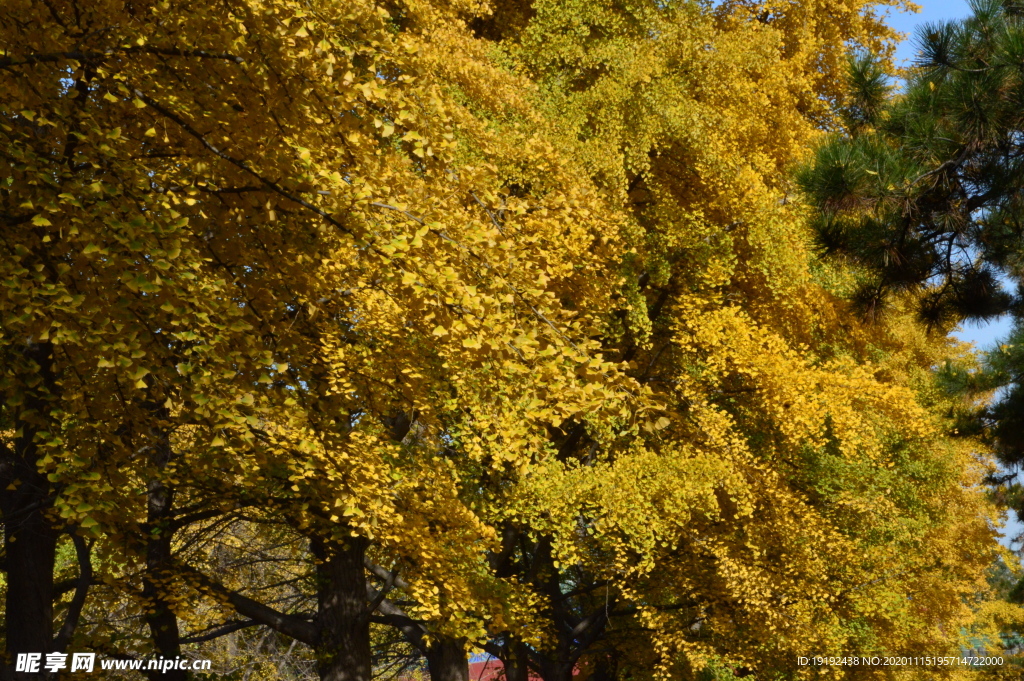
<point x="924" y="190"/>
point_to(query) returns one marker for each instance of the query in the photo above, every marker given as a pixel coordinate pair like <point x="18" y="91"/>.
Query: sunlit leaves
<point x="384" y="277"/>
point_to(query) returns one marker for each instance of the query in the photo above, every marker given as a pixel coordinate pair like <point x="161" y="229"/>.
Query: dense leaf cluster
<point x="926" y="192"/>
<point x="344" y="338"/>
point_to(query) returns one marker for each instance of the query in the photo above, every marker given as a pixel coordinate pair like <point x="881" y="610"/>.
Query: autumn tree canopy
<point x="925" y="194"/>
<point x="370" y="331"/>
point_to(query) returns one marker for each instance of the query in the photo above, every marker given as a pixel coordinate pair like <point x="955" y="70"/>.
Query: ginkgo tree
<point x="232" y="312"/>
<point x="713" y="522"/>
<point x="495" y="321"/>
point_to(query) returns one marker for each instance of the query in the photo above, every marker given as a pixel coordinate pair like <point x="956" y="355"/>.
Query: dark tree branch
<point x="376" y="601"/>
<point x="28" y="509"/>
<point x="238" y="163"/>
<point x="385" y="574"/>
<point x="55" y="57"/>
<point x="84" y="554"/>
<point x="289" y="625"/>
<point x="223" y="630"/>
<point x="186" y="520"/>
<point x="394" y="616"/>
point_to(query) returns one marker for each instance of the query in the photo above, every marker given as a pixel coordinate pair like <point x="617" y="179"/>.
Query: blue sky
<point x="933" y="10"/>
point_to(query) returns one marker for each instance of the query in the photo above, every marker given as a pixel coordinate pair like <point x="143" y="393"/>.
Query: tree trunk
<point x="555" y="670"/>
<point x="343" y="625"/>
<point x="31" y="539"/>
<point x="162" y="621"/>
<point x="31" y="549"/>
<point x="517" y="665"/>
<point x="447" y="661"/>
<point x="605" y="668"/>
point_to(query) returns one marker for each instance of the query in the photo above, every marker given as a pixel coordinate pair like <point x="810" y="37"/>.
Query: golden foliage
<point x="424" y="272"/>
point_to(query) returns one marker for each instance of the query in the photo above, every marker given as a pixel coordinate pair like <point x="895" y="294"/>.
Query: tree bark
<point x="31" y="548"/>
<point x="576" y="630"/>
<point x="605" y="669"/>
<point x="31" y="538"/>
<point x="82" y="584"/>
<point x="517" y="664"/>
<point x="342" y="621"/>
<point x="554" y="669"/>
<point x="447" y="661"/>
<point x="162" y="621"/>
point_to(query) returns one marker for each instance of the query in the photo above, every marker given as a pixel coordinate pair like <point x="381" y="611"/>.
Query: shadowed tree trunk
<point x="342" y="622"/>
<point x="340" y="631"/>
<point x="447" y="661"/>
<point x="605" y="668"/>
<point x="162" y="621"/>
<point x="517" y="666"/>
<point x="25" y="498"/>
<point x="446" y="657"/>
